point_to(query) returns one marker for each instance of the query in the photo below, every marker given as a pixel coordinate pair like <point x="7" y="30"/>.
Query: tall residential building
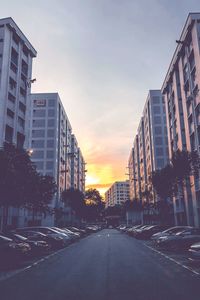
<point x="150" y="147"/>
<point x="16" y="54"/>
<point x="74" y="162"/>
<point x="81" y="171"/>
<point x="182" y="98"/>
<point x="117" y="194"/>
<point x="132" y="182"/>
<point x="52" y="141"/>
<point x="155" y="136"/>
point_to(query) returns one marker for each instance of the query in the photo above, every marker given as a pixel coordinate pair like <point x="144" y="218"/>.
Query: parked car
<point x="54" y="241"/>
<point x="148" y="231"/>
<point x="82" y="232"/>
<point x="136" y="231"/>
<point x="194" y="252"/>
<point x="12" y="252"/>
<point x="169" y="231"/>
<point x="91" y="228"/>
<point x="130" y="230"/>
<point x="37" y="246"/>
<point x="180" y="241"/>
<point x="48" y="231"/>
<point x="73" y="236"/>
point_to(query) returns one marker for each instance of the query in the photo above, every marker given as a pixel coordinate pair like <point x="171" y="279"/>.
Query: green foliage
<point x="94" y="209"/>
<point x="75" y="199"/>
<point x="20" y="184"/>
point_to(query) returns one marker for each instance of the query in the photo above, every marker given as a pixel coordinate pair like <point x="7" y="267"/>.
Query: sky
<point x="102" y="57"/>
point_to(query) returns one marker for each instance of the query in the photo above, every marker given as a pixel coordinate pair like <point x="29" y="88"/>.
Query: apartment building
<point x="55" y="148"/>
<point x="16" y="55"/>
<point x="150" y="147"/>
<point x="131" y="170"/>
<point x="81" y="171"/>
<point x="182" y="99"/>
<point x="74" y="162"/>
<point x="117" y="194"/>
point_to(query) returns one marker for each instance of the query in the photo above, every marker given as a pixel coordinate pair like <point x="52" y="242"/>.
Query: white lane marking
<point x="175" y="261"/>
<point x="108" y="234"/>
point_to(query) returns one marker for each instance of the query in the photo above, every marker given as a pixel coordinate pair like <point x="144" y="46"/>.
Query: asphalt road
<point x="107" y="265"/>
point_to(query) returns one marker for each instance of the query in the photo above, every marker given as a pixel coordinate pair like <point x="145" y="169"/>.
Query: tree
<point x="185" y="164"/>
<point x="75" y="199"/>
<point x="20" y="184"/>
<point x="94" y="205"/>
<point x="42" y="190"/>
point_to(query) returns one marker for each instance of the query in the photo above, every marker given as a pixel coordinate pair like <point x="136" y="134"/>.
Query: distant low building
<point x="117" y="194"/>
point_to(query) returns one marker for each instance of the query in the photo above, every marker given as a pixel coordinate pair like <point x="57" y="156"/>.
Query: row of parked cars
<point x="29" y="242"/>
<point x="177" y="238"/>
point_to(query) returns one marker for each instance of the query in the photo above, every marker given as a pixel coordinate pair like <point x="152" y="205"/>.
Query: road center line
<point x="172" y="259"/>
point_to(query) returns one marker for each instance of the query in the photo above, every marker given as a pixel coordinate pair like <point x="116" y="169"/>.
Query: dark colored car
<point x="169" y="231"/>
<point x="37" y="246"/>
<point x="147" y="232"/>
<point x="180" y="241"/>
<point x="82" y="232"/>
<point x="12" y="252"/>
<point x="54" y="242"/>
<point x="49" y="232"/>
<point x="194" y="252"/>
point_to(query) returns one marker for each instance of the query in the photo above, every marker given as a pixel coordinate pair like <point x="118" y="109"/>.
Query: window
<point x="13" y="67"/>
<point x="39" y="165"/>
<point x="11" y="97"/>
<point x="38" y="154"/>
<point x="39" y="123"/>
<point x="49" y="165"/>
<point x="51" y="113"/>
<point x="158" y="130"/>
<point x="9" y="134"/>
<point x="25" y="51"/>
<point x="37" y="143"/>
<point x="15" y="39"/>
<point x="39" y="113"/>
<point x="160" y="163"/>
<point x="156" y="109"/>
<point x="14" y="56"/>
<point x="158" y="140"/>
<point x="12" y="83"/>
<point x="50" y="133"/>
<point x="22" y="92"/>
<point x="24" y="67"/>
<point x="50" y="143"/>
<point x="10" y="113"/>
<point x="38" y="133"/>
<point x="159" y="151"/>
<point x="157" y="120"/>
<point x="156" y="100"/>
<point x="51" y="103"/>
<point x="50" y="154"/>
<point x="51" y="123"/>
<point x="21" y="122"/>
<point x="22" y="107"/>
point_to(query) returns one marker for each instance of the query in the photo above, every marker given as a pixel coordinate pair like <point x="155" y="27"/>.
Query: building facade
<point x="150" y="148"/>
<point x="52" y="141"/>
<point x="16" y="55"/>
<point x="117" y="194"/>
<point x="182" y="99"/>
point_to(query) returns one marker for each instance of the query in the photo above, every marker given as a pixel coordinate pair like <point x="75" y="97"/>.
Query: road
<point x="107" y="265"/>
